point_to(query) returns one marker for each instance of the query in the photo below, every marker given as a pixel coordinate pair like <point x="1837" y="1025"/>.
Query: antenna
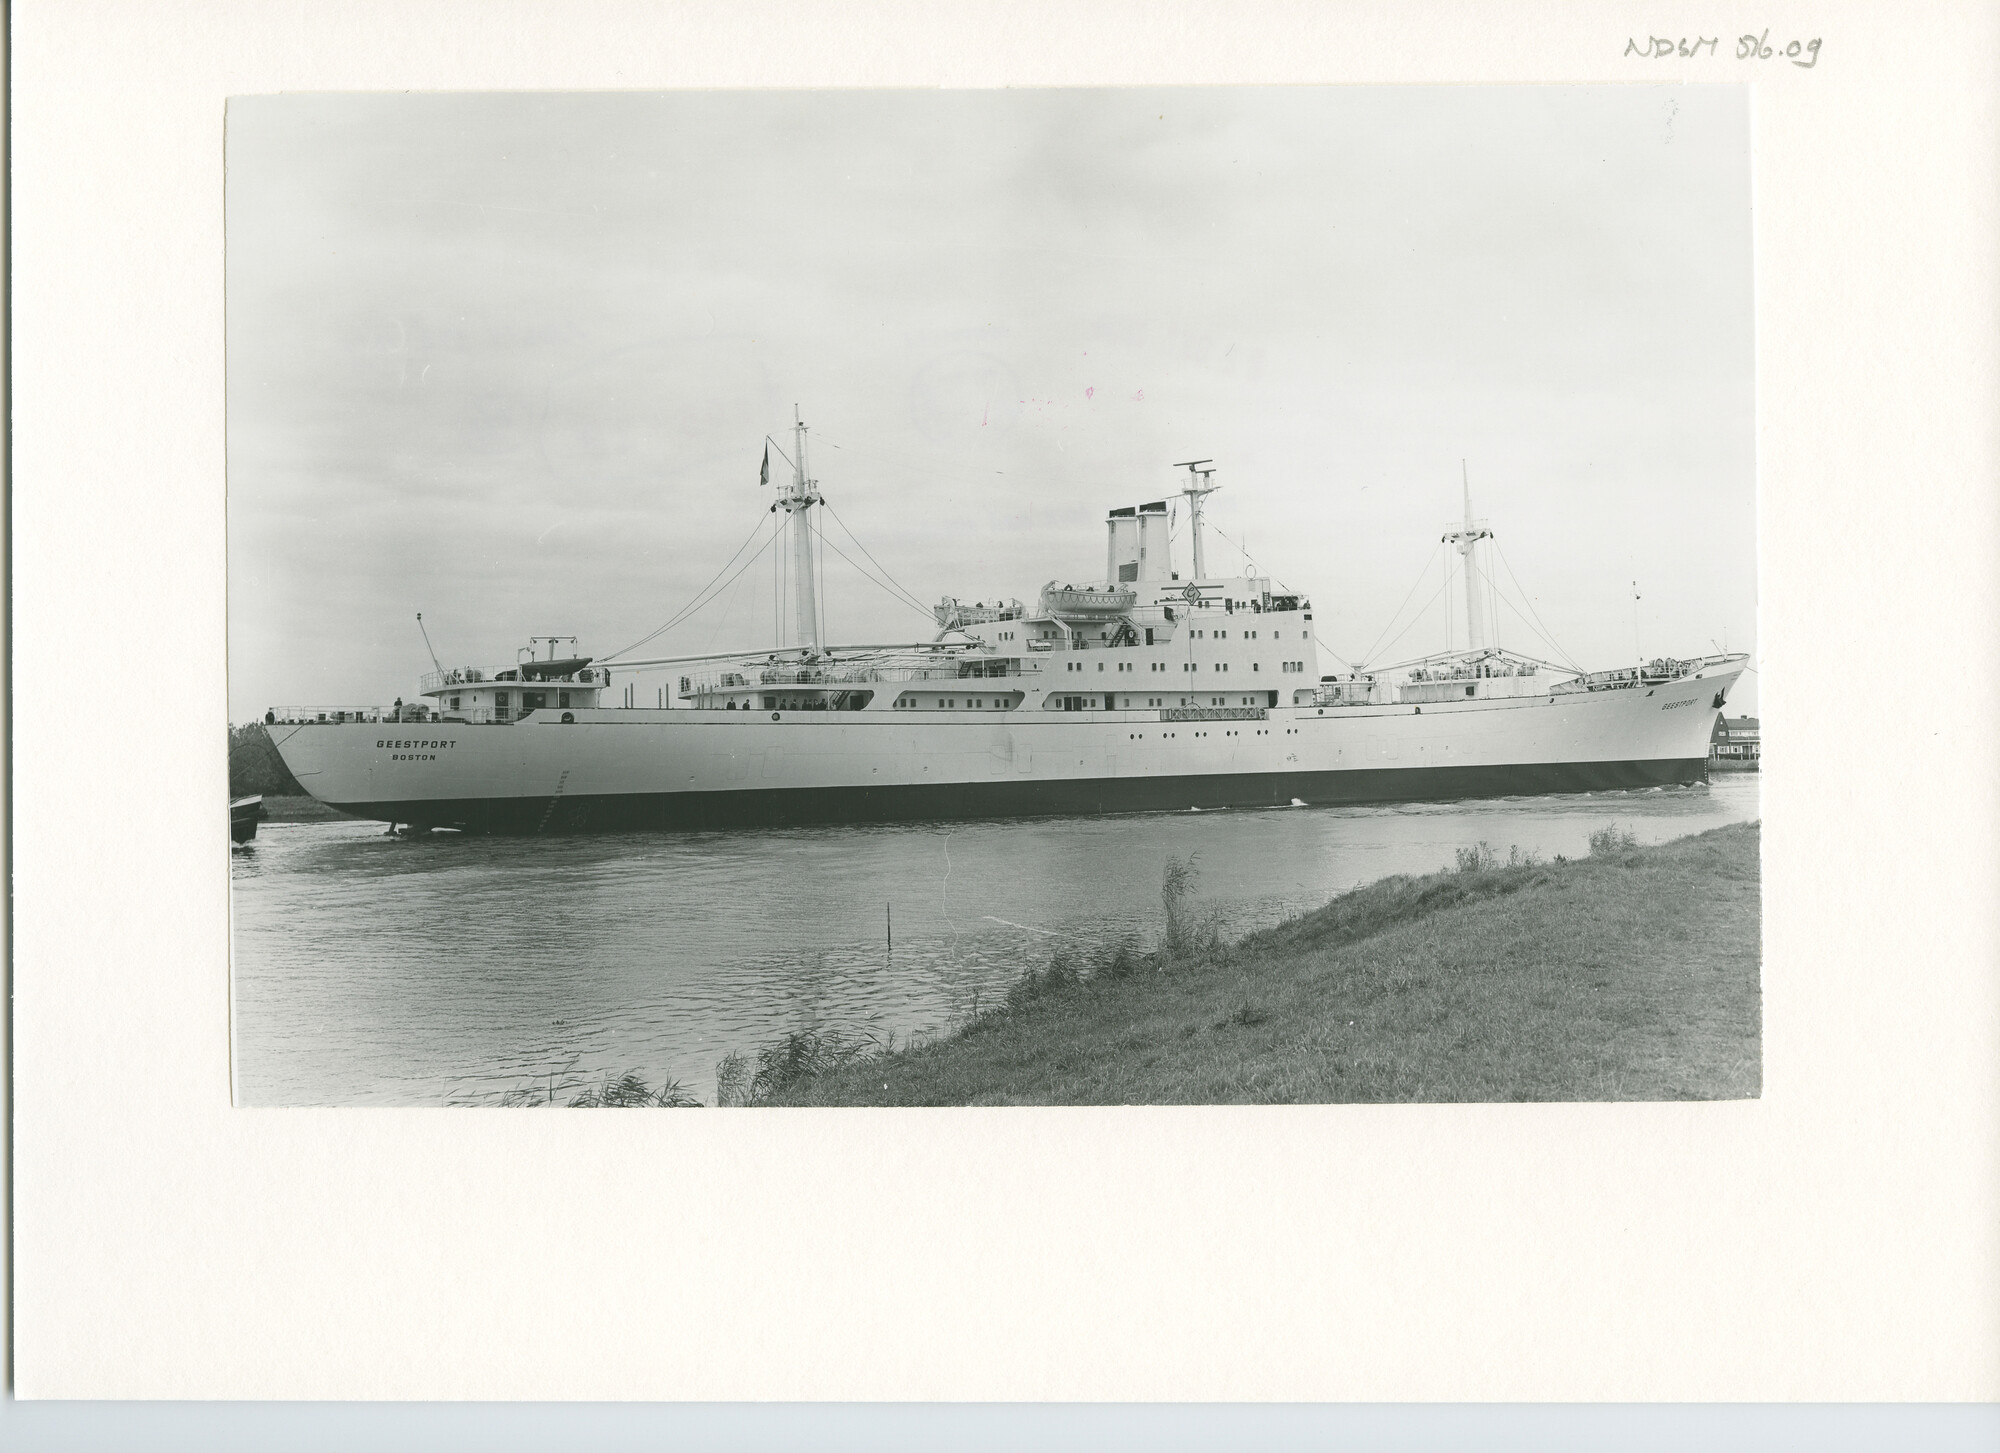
<point x="1197" y="490"/>
<point x="427" y="641"/>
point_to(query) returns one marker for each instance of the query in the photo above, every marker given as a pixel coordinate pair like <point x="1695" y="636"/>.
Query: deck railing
<point x="839" y="678"/>
<point x="331" y="715"/>
<point x="1215" y="713"/>
<point x="408" y="715"/>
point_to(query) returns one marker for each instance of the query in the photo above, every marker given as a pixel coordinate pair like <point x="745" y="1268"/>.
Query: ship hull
<point x="610" y="770"/>
<point x="758" y="807"/>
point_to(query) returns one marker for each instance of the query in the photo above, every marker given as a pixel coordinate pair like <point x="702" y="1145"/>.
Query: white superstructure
<point x="1140" y="691"/>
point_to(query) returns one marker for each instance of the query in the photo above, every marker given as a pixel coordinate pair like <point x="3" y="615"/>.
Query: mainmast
<point x="1198" y="489"/>
<point x="1467" y="538"/>
<point x="797" y="501"/>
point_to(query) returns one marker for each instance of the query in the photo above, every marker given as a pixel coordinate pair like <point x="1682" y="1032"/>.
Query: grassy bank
<point x="1628" y="975"/>
<point x="256" y="767"/>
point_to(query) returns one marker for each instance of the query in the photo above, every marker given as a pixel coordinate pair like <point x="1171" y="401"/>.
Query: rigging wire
<point x="1287" y="588"/>
<point x="696" y="602"/>
<point x="1447" y="603"/>
<point x="781" y="571"/>
<point x="815" y="534"/>
<point x="1372" y="651"/>
<point x="728" y="607"/>
<point x="1568" y="659"/>
<point x="777" y="605"/>
<point x="856" y="539"/>
<point x="1544" y="639"/>
<point x="899" y="599"/>
<point x="1418" y="616"/>
<point x="1333" y="653"/>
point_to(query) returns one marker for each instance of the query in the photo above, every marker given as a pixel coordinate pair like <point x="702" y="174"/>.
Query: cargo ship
<point x="1142" y="691"/>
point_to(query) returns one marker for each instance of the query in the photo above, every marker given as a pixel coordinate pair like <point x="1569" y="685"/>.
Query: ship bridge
<point x="540" y="679"/>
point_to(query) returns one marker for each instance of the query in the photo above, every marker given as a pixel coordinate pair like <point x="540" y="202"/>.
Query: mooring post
<point x="889" y="927"/>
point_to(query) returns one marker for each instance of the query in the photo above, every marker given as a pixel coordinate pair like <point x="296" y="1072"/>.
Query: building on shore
<point x="1736" y="745"/>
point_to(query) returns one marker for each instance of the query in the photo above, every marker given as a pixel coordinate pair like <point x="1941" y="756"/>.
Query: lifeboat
<point x="1078" y="604"/>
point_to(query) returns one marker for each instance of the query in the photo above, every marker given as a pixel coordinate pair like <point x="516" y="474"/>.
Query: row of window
<point x="951" y="703"/>
<point x="1185" y="665"/>
<point x="1089" y="703"/>
<point x="530" y="701"/>
<point x="1141" y="736"/>
<point x="1249" y="635"/>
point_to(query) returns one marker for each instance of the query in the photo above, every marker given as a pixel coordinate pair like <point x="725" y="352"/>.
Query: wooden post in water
<point x="889" y="927"/>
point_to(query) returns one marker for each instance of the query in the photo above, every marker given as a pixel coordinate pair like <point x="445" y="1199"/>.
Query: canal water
<point x="449" y="969"/>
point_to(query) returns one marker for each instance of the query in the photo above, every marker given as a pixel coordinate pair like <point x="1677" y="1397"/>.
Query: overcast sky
<point x="510" y="360"/>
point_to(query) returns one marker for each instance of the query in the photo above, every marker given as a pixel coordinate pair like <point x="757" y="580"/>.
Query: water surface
<point x="451" y="969"/>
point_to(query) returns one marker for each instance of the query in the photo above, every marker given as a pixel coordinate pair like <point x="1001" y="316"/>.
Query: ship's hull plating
<point x="956" y="800"/>
<point x="620" y="769"/>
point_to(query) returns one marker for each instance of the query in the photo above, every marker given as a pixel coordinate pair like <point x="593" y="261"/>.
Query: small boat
<point x="244" y="815"/>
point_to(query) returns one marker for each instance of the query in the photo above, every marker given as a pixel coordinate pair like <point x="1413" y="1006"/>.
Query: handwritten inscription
<point x="1802" y="53"/>
<point x="1660" y="45"/>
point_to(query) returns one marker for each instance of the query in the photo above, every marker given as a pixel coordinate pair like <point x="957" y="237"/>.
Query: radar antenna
<point x="1197" y="490"/>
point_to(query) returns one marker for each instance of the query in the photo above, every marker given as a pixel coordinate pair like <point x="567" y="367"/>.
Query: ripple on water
<point x="378" y="970"/>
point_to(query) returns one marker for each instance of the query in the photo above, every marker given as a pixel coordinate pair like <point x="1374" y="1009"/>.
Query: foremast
<point x="1466" y="538"/>
<point x="797" y="500"/>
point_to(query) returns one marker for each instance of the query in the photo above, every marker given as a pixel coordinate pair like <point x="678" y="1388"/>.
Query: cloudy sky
<point x="510" y="360"/>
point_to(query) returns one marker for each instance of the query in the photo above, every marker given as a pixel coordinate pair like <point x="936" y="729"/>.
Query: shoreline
<point x="1630" y="974"/>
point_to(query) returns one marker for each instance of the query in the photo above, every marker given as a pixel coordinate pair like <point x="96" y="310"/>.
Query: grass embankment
<point x="1628" y="975"/>
<point x="256" y="768"/>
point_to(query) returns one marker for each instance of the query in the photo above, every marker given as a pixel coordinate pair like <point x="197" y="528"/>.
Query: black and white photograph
<point x="1146" y="596"/>
<point x="1148" y="633"/>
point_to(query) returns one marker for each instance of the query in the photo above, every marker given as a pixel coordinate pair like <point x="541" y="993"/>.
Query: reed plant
<point x="628" y="1091"/>
<point x="1516" y="980"/>
<point x="1611" y="839"/>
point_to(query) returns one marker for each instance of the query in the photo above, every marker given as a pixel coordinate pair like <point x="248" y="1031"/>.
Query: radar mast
<point x="1198" y="489"/>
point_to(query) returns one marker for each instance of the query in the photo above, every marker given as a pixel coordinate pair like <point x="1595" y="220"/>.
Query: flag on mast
<point x="764" y="470"/>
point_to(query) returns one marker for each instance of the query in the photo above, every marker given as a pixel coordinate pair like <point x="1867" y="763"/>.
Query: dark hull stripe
<point x="1018" y="798"/>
